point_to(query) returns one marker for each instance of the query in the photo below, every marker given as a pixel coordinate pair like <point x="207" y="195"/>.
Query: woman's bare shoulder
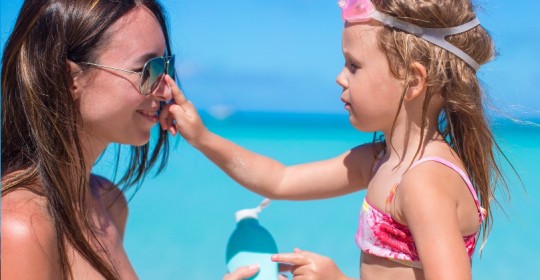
<point x="24" y="203"/>
<point x="113" y="199"/>
<point x="29" y="240"/>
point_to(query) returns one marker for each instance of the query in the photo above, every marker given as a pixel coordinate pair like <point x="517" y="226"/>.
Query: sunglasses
<point x="151" y="73"/>
<point x="364" y="10"/>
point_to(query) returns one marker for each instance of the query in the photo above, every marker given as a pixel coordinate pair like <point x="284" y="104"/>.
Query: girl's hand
<point x="308" y="265"/>
<point x="181" y="116"/>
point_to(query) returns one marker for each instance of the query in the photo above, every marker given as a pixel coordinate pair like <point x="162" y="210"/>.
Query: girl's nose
<point x="341" y="80"/>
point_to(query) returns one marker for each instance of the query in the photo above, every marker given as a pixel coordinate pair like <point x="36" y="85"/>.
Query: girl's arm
<point x="344" y="174"/>
<point x="427" y="201"/>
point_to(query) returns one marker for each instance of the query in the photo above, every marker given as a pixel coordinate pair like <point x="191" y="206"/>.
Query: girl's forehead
<point x="360" y="35"/>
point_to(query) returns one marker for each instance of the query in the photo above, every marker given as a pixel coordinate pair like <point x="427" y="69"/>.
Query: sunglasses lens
<point x="151" y="75"/>
<point x="170" y="70"/>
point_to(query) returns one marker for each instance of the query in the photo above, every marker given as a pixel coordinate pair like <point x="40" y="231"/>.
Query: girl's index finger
<point x="290" y="258"/>
<point x="177" y="93"/>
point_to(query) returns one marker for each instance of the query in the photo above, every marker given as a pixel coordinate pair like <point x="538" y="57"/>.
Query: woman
<point x="77" y="76"/>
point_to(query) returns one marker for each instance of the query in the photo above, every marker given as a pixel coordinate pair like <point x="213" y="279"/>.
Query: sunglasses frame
<point x="167" y="63"/>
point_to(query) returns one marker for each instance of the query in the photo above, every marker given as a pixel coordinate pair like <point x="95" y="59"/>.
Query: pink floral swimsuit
<point x="380" y="235"/>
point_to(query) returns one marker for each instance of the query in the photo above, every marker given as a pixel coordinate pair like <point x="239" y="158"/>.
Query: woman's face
<point x="111" y="106"/>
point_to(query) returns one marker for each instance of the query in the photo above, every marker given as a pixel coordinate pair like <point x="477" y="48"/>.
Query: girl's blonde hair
<point x="462" y="120"/>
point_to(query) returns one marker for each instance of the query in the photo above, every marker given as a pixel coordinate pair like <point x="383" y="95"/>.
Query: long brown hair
<point x="462" y="121"/>
<point x="41" y="150"/>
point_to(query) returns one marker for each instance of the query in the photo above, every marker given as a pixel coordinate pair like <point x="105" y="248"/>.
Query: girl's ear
<point x="417" y="81"/>
<point x="73" y="73"/>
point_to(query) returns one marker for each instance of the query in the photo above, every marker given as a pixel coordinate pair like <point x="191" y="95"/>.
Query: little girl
<point x="410" y="74"/>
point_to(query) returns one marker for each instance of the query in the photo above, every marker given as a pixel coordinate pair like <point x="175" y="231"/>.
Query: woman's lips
<point x="149" y="115"/>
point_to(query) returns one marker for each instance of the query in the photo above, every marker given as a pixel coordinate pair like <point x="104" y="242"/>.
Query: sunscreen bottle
<point x="250" y="244"/>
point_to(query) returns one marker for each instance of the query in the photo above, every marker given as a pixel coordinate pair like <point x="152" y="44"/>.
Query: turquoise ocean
<point x="180" y="220"/>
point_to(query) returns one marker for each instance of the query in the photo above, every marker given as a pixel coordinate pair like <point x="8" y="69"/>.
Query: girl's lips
<point x="347" y="104"/>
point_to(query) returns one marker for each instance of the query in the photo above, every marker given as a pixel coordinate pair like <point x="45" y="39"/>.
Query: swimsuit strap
<point x="453" y="167"/>
<point x="450" y="165"/>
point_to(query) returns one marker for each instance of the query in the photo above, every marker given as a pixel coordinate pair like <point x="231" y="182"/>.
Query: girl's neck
<point x="406" y="144"/>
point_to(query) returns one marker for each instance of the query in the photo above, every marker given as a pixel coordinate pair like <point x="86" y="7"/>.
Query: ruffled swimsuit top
<point x="380" y="235"/>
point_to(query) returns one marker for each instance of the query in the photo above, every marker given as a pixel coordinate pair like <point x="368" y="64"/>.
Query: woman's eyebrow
<point x="145" y="57"/>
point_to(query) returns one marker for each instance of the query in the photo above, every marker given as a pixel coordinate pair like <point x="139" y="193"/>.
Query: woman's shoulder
<point x="29" y="240"/>
<point x="27" y="212"/>
<point x="112" y="198"/>
<point x="109" y="193"/>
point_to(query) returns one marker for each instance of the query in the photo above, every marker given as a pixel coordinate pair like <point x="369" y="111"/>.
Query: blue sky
<point x="283" y="56"/>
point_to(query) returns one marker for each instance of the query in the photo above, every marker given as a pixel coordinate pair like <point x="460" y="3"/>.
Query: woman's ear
<point x="73" y="74"/>
<point x="417" y="81"/>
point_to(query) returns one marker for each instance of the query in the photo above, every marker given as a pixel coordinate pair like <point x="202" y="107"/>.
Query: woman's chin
<point x="139" y="140"/>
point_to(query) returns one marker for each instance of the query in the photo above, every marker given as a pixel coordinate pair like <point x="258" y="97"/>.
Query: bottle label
<point x="268" y="269"/>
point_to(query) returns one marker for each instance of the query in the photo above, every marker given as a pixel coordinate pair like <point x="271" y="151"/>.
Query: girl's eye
<point x="353" y="67"/>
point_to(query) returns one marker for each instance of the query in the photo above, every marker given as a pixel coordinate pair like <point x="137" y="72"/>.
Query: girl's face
<point x="111" y="106"/>
<point x="371" y="92"/>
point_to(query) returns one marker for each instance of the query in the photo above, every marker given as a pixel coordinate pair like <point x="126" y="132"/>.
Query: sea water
<point x="179" y="221"/>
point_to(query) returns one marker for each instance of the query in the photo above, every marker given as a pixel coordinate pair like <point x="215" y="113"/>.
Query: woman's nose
<point x="162" y="92"/>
